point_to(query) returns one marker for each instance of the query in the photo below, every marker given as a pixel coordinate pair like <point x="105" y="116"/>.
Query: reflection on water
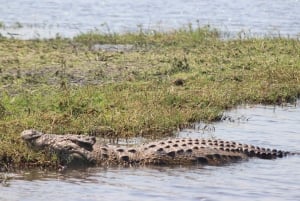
<point x="255" y="179"/>
<point x="70" y="17"/>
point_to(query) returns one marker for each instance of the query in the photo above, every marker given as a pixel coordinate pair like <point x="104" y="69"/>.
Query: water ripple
<point x="68" y="18"/>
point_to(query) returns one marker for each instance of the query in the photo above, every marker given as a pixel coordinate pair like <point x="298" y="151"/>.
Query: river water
<point x="255" y="179"/>
<point x="46" y="18"/>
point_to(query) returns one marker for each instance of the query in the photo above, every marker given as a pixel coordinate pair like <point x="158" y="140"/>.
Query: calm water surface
<point x="255" y="179"/>
<point x="69" y="17"/>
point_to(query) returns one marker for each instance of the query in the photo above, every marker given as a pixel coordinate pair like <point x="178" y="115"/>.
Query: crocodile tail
<point x="265" y="153"/>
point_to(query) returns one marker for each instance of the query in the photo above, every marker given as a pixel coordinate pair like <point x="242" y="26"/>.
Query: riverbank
<point x="149" y="85"/>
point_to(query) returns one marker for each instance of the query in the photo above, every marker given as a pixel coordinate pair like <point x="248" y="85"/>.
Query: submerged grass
<point x="166" y="82"/>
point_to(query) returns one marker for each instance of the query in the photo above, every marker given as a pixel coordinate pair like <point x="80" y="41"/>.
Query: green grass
<point x="64" y="86"/>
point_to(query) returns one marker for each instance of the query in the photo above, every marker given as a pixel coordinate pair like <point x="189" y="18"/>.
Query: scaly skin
<point x="85" y="150"/>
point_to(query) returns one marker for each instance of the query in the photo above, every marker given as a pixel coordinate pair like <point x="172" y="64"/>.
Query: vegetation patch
<point x="162" y="83"/>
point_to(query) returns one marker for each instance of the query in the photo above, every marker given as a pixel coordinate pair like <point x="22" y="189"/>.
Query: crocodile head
<point x="30" y="134"/>
<point x="70" y="149"/>
<point x="31" y="137"/>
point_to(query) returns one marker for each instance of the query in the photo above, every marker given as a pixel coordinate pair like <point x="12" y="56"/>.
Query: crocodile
<point x="74" y="150"/>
